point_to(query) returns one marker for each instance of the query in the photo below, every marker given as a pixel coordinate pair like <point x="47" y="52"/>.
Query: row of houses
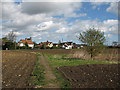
<point x="28" y="43"/>
<point x="47" y="44"/>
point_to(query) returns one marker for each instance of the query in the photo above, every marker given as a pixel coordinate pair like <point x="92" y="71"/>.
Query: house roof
<point x="23" y="41"/>
<point x="28" y="41"/>
<point x="45" y="43"/>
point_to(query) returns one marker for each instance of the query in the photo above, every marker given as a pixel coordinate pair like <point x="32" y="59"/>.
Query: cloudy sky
<point x="55" y="21"/>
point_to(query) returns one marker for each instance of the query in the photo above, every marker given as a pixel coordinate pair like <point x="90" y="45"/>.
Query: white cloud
<point x="71" y="33"/>
<point x="111" y="22"/>
<point x="113" y="8"/>
<point x="16" y="33"/>
<point x="47" y="25"/>
<point x="98" y="3"/>
<point x="62" y="30"/>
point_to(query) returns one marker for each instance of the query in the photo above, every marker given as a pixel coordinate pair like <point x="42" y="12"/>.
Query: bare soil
<point x="52" y="51"/>
<point x="92" y="76"/>
<point x="16" y="69"/>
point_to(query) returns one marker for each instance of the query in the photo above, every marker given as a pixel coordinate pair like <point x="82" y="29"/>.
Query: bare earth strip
<point x="50" y="78"/>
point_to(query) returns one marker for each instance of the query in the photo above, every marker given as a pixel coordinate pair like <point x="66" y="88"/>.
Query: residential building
<point x="45" y="44"/>
<point x="22" y="42"/>
<point x="55" y="45"/>
<point x="67" y="45"/>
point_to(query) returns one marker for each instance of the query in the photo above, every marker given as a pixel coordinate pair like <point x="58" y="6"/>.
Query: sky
<point x="54" y="21"/>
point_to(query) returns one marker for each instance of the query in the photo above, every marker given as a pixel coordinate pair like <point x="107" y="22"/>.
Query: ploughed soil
<point x="53" y="51"/>
<point x="91" y="76"/>
<point x="16" y="69"/>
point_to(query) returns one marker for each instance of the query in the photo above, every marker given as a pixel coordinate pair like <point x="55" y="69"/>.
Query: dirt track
<point x="50" y="78"/>
<point x="92" y="76"/>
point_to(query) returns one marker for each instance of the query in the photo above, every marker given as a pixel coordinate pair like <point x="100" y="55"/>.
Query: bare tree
<point x="11" y="36"/>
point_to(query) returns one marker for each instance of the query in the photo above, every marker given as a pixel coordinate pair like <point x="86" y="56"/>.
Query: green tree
<point x="6" y="43"/>
<point x="35" y="44"/>
<point x="94" y="39"/>
<point x="43" y="46"/>
<point x="26" y="45"/>
<point x="59" y="42"/>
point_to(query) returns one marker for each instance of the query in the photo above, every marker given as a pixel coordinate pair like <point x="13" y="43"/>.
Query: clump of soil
<point x="91" y="76"/>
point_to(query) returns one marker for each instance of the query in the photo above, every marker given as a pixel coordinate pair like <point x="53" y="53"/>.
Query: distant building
<point x="78" y="46"/>
<point x="67" y="45"/>
<point x="22" y="42"/>
<point x="45" y="44"/>
<point x="55" y="45"/>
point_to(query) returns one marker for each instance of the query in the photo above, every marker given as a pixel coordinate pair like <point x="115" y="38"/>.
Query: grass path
<point x="50" y="78"/>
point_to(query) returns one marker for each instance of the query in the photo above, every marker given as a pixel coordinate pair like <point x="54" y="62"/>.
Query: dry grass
<point x="79" y="54"/>
<point x="107" y="54"/>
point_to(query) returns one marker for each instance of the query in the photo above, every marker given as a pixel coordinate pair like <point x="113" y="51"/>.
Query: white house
<point x="22" y="42"/>
<point x="67" y="45"/>
<point x="50" y="45"/>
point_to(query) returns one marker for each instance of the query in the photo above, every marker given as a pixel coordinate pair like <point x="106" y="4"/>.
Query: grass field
<point x="59" y="60"/>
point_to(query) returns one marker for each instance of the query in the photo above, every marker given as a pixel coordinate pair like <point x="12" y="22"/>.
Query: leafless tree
<point x="11" y="36"/>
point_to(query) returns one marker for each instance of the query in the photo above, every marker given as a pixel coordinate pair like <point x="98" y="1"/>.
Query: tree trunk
<point x="91" y="56"/>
